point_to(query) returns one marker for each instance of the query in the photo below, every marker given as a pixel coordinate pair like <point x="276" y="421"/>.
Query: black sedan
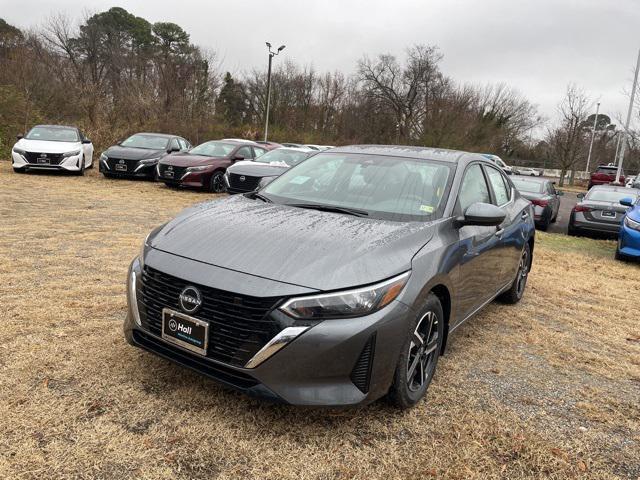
<point x="340" y="281"/>
<point x="544" y="196"/>
<point x="246" y="176"/>
<point x="138" y="155"/>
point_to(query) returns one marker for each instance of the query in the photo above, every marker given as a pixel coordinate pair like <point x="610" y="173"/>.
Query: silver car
<point x="599" y="210"/>
<point x="542" y="193"/>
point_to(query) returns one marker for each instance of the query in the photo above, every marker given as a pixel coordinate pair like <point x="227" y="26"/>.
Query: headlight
<point x="104" y="157"/>
<point x="19" y="151"/>
<point x="71" y="154"/>
<point x="149" y="160"/>
<point x="632" y="224"/>
<point x="349" y="303"/>
<point x="197" y="169"/>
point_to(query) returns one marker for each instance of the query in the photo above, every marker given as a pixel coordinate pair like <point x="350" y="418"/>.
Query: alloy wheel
<point x="217" y="183"/>
<point x="422" y="351"/>
<point x="523" y="272"/>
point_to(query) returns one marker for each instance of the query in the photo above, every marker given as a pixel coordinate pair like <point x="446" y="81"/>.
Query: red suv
<point x="204" y="166"/>
<point x="604" y="175"/>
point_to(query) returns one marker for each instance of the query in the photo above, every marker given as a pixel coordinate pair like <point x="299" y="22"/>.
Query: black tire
<point x="19" y="170"/>
<point x="555" y="217"/>
<point x="81" y="171"/>
<point x="516" y="291"/>
<point x="620" y="256"/>
<point x="543" y="226"/>
<point x="216" y="183"/>
<point x="418" y="357"/>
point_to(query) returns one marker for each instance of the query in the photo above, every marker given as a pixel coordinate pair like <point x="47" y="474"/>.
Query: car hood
<point x="188" y="160"/>
<point x="129" y="153"/>
<point x="309" y="248"/>
<point x="257" y="169"/>
<point x="47" y="147"/>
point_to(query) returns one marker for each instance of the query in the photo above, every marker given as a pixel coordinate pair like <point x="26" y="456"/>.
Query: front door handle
<point x="525" y="215"/>
<point x="499" y="232"/>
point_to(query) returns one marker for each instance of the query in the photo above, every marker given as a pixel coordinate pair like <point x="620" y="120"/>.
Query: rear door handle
<point x="525" y="215"/>
<point x="499" y="232"/>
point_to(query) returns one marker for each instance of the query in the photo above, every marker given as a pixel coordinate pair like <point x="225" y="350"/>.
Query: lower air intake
<point x="361" y="373"/>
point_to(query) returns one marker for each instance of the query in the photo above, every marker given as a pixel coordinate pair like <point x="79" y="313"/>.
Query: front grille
<point x="53" y="158"/>
<point x="247" y="185"/>
<point x="178" y="172"/>
<point x="201" y="365"/>
<point x="238" y="324"/>
<point x="361" y="373"/>
<point x="131" y="164"/>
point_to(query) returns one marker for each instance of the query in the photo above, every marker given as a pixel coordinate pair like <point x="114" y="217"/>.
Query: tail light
<point x="581" y="208"/>
<point x="540" y="203"/>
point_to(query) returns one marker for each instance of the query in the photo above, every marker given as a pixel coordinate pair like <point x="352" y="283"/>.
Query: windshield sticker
<point x="426" y="208"/>
<point x="299" y="180"/>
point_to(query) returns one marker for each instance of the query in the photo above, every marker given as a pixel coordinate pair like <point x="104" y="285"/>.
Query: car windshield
<point x="151" y="142"/>
<point x="387" y="188"/>
<point x="527" y="185"/>
<point x="612" y="196"/>
<point x="283" y="156"/>
<point x="53" y="134"/>
<point x="213" y="149"/>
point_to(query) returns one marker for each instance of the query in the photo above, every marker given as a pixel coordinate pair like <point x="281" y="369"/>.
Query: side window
<point x="551" y="188"/>
<point x="498" y="185"/>
<point x="259" y="151"/>
<point x="182" y="143"/>
<point x="245" y="152"/>
<point x="473" y="189"/>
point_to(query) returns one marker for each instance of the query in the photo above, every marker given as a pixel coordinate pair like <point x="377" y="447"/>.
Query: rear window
<point x="607" y="170"/>
<point x="527" y="186"/>
<point x="613" y="196"/>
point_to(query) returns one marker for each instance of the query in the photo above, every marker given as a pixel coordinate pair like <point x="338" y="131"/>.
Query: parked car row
<point x="167" y="158"/>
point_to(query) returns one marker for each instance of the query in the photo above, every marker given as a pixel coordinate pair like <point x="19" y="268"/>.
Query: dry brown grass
<point x="549" y="388"/>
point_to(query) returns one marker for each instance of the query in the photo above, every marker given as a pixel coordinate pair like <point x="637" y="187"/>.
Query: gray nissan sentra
<point x="340" y="281"/>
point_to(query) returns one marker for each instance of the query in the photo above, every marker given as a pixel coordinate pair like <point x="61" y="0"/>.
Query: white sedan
<point x="530" y="172"/>
<point x="52" y="147"/>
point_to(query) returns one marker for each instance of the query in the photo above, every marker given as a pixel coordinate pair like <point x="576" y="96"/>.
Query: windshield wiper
<point x="254" y="195"/>
<point x="330" y="208"/>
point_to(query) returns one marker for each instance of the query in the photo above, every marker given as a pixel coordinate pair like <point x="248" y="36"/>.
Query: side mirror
<point x="86" y="141"/>
<point x="19" y="136"/>
<point x="626" y="201"/>
<point x="481" y="214"/>
<point x="173" y="149"/>
<point x="580" y="196"/>
<point x="237" y="158"/>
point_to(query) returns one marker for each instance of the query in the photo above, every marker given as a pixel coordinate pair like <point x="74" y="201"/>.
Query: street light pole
<point x="266" y="115"/>
<point x="593" y="134"/>
<point x="623" y="147"/>
<point x="615" y="157"/>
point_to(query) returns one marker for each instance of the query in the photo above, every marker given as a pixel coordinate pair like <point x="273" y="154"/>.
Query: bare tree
<point x="566" y="141"/>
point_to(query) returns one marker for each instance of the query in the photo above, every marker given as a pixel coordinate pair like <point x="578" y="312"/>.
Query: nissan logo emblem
<point x="121" y="162"/>
<point x="190" y="299"/>
<point x="43" y="155"/>
<point x="242" y="178"/>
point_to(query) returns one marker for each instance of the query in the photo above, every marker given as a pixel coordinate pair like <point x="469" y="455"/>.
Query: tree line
<point x="115" y="73"/>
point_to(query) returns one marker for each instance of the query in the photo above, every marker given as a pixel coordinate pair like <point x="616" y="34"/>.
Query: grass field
<point x="549" y="388"/>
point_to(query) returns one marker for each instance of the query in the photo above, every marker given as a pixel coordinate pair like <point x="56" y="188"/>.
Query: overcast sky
<point x="536" y="46"/>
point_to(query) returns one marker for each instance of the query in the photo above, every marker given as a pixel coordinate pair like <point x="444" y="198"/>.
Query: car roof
<point x="165" y="135"/>
<point x="56" y="126"/>
<point x="531" y="179"/>
<point x="426" y="153"/>
<point x="613" y="188"/>
<point x="293" y="149"/>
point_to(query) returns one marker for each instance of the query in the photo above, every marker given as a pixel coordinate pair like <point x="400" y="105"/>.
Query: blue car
<point x="629" y="236"/>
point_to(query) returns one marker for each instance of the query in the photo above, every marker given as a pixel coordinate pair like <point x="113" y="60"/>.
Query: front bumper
<point x="190" y="179"/>
<point x="629" y="242"/>
<point x="316" y="368"/>
<point x="140" y="170"/>
<point x="69" y="164"/>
